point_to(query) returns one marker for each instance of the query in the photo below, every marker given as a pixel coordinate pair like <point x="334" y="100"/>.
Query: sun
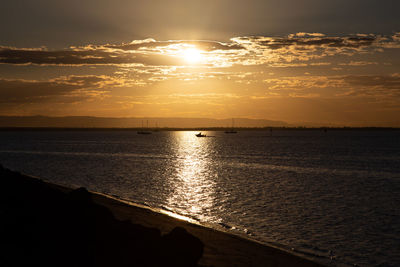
<point x="192" y="55"/>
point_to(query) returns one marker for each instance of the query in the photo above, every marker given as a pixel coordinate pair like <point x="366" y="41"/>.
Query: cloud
<point x="358" y="63"/>
<point x="149" y="44"/>
<point x="380" y="86"/>
<point x="69" y="88"/>
<point x="386" y="84"/>
<point x="288" y="85"/>
<point x="302" y="47"/>
<point x="292" y="50"/>
<point x="305" y="34"/>
<point x="306" y="41"/>
<point x="321" y="64"/>
<point x="79" y="57"/>
<point x="65" y="57"/>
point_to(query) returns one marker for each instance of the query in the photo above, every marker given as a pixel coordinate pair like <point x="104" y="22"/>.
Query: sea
<point x="331" y="196"/>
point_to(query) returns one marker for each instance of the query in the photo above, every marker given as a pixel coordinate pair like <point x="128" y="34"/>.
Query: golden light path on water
<point x="193" y="185"/>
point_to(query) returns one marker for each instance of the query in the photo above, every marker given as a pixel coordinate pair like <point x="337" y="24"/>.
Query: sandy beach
<point x="50" y="225"/>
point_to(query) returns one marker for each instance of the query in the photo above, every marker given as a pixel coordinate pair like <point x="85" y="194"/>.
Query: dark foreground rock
<point x="42" y="225"/>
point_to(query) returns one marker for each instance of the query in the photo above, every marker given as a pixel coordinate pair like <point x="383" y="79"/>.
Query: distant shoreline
<point x="166" y="129"/>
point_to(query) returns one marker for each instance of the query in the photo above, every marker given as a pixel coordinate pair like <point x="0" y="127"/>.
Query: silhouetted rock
<point x="42" y="225"/>
<point x="182" y="248"/>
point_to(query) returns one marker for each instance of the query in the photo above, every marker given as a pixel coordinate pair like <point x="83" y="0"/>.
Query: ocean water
<point x="333" y="197"/>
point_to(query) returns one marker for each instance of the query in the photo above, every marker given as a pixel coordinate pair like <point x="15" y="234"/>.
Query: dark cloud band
<point x="301" y="46"/>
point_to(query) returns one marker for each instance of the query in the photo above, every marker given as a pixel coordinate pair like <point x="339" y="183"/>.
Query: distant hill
<point x="103" y="122"/>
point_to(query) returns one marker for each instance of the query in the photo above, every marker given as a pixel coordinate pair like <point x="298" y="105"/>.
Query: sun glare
<point x="192" y="55"/>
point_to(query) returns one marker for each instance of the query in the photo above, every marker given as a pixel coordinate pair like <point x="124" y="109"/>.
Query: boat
<point x="232" y="130"/>
<point x="201" y="135"/>
<point x="156" y="129"/>
<point x="143" y="131"/>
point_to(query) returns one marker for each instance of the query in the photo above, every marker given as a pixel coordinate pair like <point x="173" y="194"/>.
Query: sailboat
<point x="156" y="129"/>
<point x="142" y="131"/>
<point x="232" y="130"/>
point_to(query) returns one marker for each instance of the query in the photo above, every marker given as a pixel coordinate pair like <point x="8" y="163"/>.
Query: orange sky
<point x="350" y="79"/>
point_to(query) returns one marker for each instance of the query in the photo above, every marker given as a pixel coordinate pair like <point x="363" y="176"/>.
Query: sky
<point x="327" y="62"/>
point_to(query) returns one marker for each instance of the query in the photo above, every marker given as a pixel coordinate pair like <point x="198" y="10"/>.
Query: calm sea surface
<point x="333" y="197"/>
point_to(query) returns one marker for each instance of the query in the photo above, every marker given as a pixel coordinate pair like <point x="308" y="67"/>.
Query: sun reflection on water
<point x="193" y="186"/>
